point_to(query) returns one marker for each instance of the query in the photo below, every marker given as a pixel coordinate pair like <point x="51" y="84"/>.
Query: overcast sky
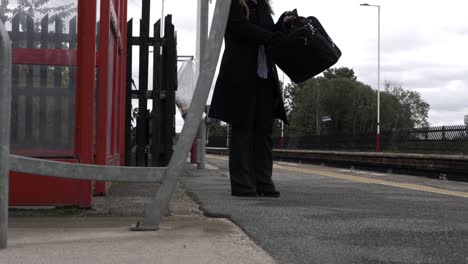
<point x="424" y="43"/>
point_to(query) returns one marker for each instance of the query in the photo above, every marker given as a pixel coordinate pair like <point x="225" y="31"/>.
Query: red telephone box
<point x="68" y="96"/>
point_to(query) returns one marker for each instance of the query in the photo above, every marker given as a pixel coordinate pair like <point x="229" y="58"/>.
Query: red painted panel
<point x="115" y="27"/>
<point x="111" y="112"/>
<point x="42" y="153"/>
<point x="97" y="59"/>
<point x="86" y="80"/>
<point x="29" y="190"/>
<point x="106" y="93"/>
<point x="50" y="57"/>
<point x="123" y="25"/>
<point x="34" y="190"/>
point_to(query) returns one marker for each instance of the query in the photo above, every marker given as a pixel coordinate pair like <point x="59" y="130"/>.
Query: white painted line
<point x="286" y="163"/>
<point x="360" y="179"/>
<point x="210" y="167"/>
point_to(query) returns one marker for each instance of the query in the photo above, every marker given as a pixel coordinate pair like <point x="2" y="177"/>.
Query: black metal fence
<point x="431" y="140"/>
<point x="43" y="96"/>
<point x="152" y="142"/>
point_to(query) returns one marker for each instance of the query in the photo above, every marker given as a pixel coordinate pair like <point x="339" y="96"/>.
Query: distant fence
<point x="431" y="140"/>
<point x="43" y="86"/>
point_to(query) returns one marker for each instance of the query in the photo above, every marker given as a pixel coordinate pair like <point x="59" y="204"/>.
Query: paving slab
<point x="181" y="239"/>
<point x="101" y="235"/>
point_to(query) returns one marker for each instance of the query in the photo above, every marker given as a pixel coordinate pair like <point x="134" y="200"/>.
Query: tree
<point x="351" y="105"/>
<point x="217" y="134"/>
<point x="337" y="73"/>
<point x="411" y="102"/>
<point x="338" y="95"/>
<point x="217" y="128"/>
<point x="33" y="8"/>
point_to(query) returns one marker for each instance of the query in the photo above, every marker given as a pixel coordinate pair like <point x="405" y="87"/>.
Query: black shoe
<point x="274" y="194"/>
<point x="244" y="194"/>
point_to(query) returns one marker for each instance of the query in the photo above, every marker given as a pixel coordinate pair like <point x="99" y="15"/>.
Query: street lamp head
<point x="370" y="5"/>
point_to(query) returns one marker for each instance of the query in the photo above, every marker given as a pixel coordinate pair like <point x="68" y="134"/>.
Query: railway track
<point x="453" y="167"/>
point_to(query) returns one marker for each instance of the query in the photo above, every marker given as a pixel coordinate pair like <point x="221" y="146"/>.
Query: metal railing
<point x="5" y="111"/>
<point x="167" y="176"/>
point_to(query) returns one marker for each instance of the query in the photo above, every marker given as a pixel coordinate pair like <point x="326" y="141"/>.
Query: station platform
<point x="336" y="215"/>
<point x="324" y="215"/>
<point x="39" y="235"/>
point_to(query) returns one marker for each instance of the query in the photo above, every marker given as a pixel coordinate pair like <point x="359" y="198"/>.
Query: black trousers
<point x="250" y="152"/>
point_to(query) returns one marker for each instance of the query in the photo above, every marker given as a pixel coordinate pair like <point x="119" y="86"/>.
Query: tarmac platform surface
<point x="330" y="215"/>
<point x="324" y="215"/>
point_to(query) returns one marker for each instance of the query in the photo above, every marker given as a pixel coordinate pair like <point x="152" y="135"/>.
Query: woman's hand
<point x="288" y="18"/>
<point x="276" y="38"/>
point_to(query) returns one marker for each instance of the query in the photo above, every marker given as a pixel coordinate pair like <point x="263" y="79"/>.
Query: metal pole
<point x="377" y="144"/>
<point x="202" y="37"/>
<point x="227" y="135"/>
<point x="5" y="110"/>
<point x="282" y="122"/>
<point x="377" y="138"/>
<point x="317" y="114"/>
<point x="202" y="32"/>
<point x="162" y="33"/>
<point x="176" y="166"/>
<point x="202" y="146"/>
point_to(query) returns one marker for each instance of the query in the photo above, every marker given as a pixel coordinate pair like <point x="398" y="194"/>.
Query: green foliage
<point x="415" y="109"/>
<point x="217" y="128"/>
<point x="351" y="105"/>
<point x="134" y="116"/>
<point x="4" y="10"/>
<point x="337" y="73"/>
<point x="34" y="8"/>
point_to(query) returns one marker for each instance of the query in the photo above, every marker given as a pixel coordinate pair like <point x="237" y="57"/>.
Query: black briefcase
<point x="307" y="49"/>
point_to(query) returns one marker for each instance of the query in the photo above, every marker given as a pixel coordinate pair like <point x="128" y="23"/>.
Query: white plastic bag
<point x="187" y="81"/>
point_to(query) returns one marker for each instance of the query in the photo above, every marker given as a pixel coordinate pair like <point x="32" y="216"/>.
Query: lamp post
<point x="377" y="139"/>
<point x="202" y="38"/>
<point x="282" y="123"/>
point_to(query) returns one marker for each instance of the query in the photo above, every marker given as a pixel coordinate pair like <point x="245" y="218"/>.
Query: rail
<point x="5" y="110"/>
<point x="442" y="164"/>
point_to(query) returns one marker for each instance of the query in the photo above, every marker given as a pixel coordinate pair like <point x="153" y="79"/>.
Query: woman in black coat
<point x="248" y="96"/>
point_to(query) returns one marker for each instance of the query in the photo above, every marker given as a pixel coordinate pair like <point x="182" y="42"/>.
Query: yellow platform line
<point x="360" y="179"/>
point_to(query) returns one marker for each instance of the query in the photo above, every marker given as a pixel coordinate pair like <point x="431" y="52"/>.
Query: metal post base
<point x="142" y="228"/>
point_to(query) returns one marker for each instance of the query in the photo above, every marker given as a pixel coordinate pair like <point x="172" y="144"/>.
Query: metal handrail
<point x="5" y="108"/>
<point x="84" y="171"/>
<point x="209" y="61"/>
<point x="166" y="175"/>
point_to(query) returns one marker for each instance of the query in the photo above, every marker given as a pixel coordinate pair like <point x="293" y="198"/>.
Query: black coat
<point x="234" y="94"/>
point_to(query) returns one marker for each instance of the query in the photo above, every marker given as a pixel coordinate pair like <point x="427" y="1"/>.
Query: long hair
<point x="246" y="7"/>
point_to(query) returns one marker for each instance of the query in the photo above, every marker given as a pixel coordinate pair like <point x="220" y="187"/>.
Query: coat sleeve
<point x="241" y="28"/>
